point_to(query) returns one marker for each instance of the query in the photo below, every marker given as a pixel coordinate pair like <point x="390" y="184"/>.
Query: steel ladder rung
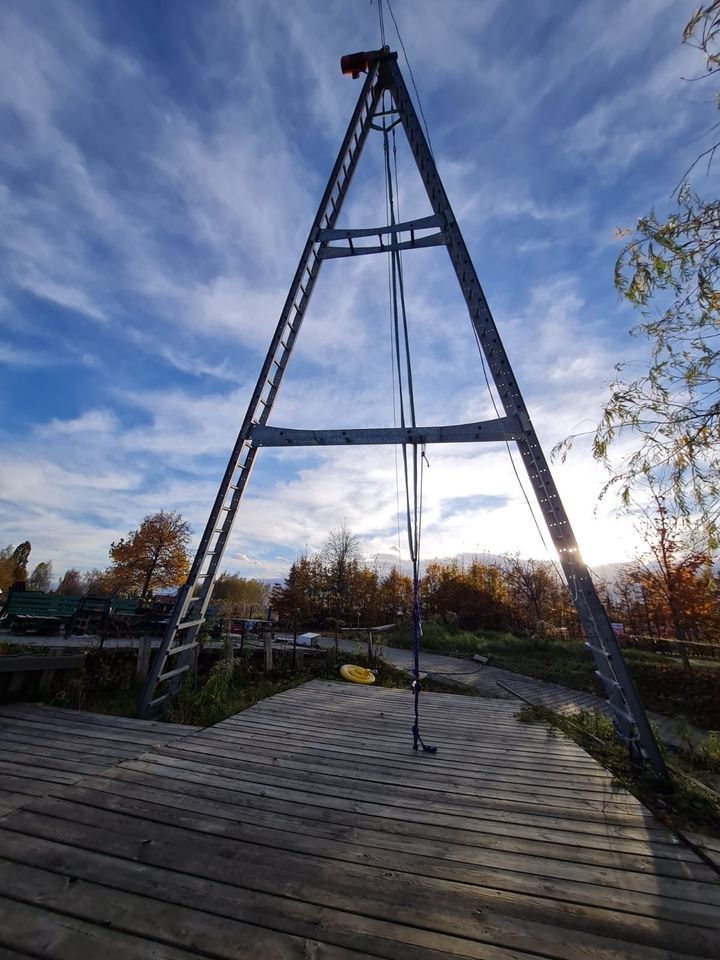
<point x="599" y="651"/>
<point x="606" y="678"/>
<point x="190" y="623"/>
<point x="181" y="649"/>
<point x="626" y="716"/>
<point x="173" y="673"/>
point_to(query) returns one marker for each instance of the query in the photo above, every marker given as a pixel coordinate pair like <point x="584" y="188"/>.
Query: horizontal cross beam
<point x="503" y="428"/>
<point x="330" y="252"/>
<point x="409" y="226"/>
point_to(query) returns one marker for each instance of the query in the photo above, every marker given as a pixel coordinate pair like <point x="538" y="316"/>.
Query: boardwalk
<point x="495" y="682"/>
<point x="42" y="747"/>
<point x="306" y="828"/>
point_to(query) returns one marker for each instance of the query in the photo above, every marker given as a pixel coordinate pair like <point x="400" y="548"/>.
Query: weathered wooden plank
<point x="40" y="933"/>
<point x="163" y="924"/>
<point x="332" y="696"/>
<point x="482" y="728"/>
<point x="7" y="954"/>
<point x="9" y="800"/>
<point x="311" y="727"/>
<point x="447" y="906"/>
<point x="218" y="854"/>
<point x="14" y="783"/>
<point x="390" y="820"/>
<point x="349" y="763"/>
<point x="504" y="807"/>
<point x="451" y="860"/>
<point x="388" y="805"/>
<point x="13" y="754"/>
<point x="663" y="859"/>
<point x="30" y="711"/>
<point x="262" y="737"/>
<point x="466" y="743"/>
<point x="118" y="736"/>
<point x="61" y="749"/>
<point x="495" y="939"/>
<point x="309" y="819"/>
<point x="395" y="703"/>
<point x="19" y="732"/>
<point x="41" y="773"/>
<point x="370" y="776"/>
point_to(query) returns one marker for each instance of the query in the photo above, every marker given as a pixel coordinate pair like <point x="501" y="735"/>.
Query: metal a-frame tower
<point x="179" y="646"/>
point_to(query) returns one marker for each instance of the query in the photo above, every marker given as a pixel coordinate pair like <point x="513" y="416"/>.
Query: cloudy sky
<point x="161" y="164"/>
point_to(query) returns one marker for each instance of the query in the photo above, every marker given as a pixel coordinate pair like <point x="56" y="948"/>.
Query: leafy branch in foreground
<point x="674" y="408"/>
<point x="670" y="270"/>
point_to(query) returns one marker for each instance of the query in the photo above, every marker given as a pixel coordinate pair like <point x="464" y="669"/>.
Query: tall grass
<point x="560" y="661"/>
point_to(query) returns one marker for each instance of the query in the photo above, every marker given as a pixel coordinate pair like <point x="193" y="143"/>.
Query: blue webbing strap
<point x="417" y="739"/>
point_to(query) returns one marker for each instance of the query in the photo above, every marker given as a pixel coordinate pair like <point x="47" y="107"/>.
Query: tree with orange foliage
<point x="152" y="557"/>
<point x="675" y="577"/>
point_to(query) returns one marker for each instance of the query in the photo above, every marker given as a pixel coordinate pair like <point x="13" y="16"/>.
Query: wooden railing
<point x="25" y="675"/>
<point x="670" y="647"/>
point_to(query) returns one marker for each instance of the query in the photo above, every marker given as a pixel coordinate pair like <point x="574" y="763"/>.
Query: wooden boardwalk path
<point x="496" y="682"/>
<point x="42" y="747"/>
<point x="306" y="828"/>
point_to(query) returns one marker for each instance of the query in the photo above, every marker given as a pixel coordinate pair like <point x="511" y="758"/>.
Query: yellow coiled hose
<point x="355" y="674"/>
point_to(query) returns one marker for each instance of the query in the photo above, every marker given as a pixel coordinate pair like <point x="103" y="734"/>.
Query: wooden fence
<point x="670" y="647"/>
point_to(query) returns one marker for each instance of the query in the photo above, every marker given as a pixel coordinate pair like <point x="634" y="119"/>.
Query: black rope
<point x="414" y="508"/>
<point x="382" y="22"/>
<point x="412" y="78"/>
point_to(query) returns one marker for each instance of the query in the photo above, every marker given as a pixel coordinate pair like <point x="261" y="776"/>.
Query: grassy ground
<point x="229" y="689"/>
<point x="682" y="804"/>
<point x="662" y="682"/>
<point x="109" y="686"/>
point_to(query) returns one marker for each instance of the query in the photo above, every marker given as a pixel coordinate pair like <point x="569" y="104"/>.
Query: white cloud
<point x="27" y="359"/>
<point x="90" y="422"/>
<point x="638" y="119"/>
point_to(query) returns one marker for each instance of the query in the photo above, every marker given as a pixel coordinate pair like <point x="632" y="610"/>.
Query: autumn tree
<point x="152" y="557"/>
<point x="300" y="599"/>
<point x="540" y="598"/>
<point x="239" y="596"/>
<point x="94" y="581"/>
<point x="674" y="578"/>
<point x="6" y="577"/>
<point x="341" y="560"/>
<point x="41" y="577"/>
<point x="335" y="587"/>
<point x="395" y="597"/>
<point x="669" y="269"/>
<point x="71" y="584"/>
<point x="13" y="565"/>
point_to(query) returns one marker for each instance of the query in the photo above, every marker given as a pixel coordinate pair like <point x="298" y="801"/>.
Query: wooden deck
<point x="43" y="747"/>
<point x="306" y="828"/>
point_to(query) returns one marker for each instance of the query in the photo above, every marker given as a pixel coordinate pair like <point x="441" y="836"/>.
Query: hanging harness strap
<point x="413" y="501"/>
<point x="417" y="739"/>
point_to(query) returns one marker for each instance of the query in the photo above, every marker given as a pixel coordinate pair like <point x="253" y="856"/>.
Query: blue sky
<point x="161" y="165"/>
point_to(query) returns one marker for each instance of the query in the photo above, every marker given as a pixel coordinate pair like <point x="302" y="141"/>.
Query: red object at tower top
<point x="353" y="64"/>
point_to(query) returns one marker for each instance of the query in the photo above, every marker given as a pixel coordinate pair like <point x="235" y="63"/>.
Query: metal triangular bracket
<point x="324" y="241"/>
